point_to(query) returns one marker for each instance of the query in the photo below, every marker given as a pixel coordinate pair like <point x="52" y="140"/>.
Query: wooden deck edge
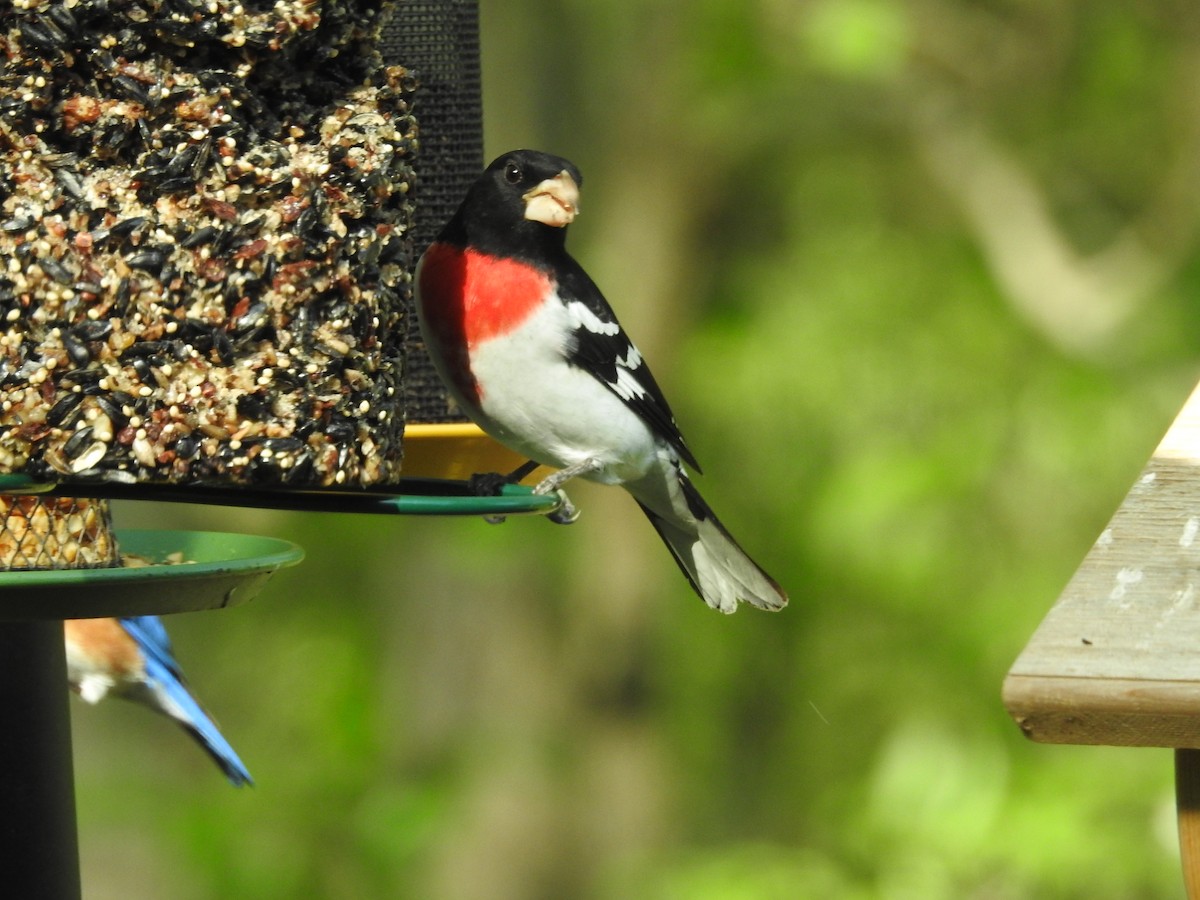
<point x="1105" y="711"/>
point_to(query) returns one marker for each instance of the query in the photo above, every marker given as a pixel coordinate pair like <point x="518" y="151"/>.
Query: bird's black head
<point x="521" y="205"/>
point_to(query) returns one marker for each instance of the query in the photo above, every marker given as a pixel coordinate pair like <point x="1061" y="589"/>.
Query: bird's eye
<point x="512" y="173"/>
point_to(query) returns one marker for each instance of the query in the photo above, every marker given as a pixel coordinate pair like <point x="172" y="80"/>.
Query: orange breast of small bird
<point x="107" y="644"/>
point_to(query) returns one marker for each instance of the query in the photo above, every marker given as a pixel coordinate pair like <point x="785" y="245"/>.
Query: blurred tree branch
<point x="1081" y="301"/>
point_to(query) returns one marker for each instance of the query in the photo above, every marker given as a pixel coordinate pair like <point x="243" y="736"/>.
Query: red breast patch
<point x="469" y="298"/>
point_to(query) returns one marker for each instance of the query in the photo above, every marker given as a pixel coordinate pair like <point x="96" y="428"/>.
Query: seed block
<point x="205" y="212"/>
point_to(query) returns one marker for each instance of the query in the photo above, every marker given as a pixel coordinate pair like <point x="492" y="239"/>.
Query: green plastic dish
<point x="221" y="570"/>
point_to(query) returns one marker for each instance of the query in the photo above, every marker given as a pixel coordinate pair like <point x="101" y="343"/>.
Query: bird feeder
<point x="209" y="217"/>
<point x="1115" y="661"/>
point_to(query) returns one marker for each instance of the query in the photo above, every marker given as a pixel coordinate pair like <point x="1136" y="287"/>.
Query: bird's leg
<point x="562" y="476"/>
<point x="490" y="484"/>
<point x="566" y="512"/>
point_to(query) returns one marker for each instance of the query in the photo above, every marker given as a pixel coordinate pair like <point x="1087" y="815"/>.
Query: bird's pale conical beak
<point x="554" y="201"/>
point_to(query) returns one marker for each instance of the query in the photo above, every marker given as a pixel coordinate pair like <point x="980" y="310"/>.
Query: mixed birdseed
<point x="56" y="533"/>
<point x="204" y="241"/>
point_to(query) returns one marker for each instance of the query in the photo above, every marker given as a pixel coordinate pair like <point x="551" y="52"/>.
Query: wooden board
<point x="1117" y="659"/>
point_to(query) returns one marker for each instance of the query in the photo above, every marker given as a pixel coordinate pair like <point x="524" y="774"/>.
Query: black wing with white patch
<point x="601" y="348"/>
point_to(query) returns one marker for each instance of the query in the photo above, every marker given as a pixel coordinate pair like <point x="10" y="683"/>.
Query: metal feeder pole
<point x="38" y="838"/>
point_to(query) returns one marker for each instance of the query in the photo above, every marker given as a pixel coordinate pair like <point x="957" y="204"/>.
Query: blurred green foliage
<point x="919" y="278"/>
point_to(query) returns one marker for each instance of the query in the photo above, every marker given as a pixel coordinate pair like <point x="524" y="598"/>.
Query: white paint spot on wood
<point x="1185" y="598"/>
<point x="1126" y="577"/>
<point x="1105" y="539"/>
<point x="1182" y="601"/>
<point x="1190" y="529"/>
<point x="1148" y="479"/>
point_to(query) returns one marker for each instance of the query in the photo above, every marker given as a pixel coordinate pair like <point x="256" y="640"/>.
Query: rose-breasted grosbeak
<point x="530" y="350"/>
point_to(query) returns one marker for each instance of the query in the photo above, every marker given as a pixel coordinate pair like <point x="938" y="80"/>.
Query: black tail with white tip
<point x="718" y="569"/>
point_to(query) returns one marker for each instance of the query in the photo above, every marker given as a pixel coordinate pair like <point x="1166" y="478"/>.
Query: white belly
<point x="557" y="414"/>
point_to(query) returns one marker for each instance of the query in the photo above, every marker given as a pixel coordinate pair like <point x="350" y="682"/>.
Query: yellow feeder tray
<point x="457" y="450"/>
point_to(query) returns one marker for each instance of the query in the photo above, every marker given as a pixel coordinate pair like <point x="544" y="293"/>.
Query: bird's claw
<point x="491" y="484"/>
<point x="566" y="513"/>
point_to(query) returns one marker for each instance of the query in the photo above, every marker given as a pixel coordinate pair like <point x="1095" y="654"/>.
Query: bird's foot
<point x="566" y="513"/>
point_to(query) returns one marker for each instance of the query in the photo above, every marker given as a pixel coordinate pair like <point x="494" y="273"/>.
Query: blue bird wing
<point x="152" y="639"/>
<point x="172" y="697"/>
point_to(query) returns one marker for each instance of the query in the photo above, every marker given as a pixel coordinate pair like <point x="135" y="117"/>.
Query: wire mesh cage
<point x="56" y="533"/>
<point x="210" y="213"/>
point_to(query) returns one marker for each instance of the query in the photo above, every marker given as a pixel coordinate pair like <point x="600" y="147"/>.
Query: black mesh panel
<point x="439" y="41"/>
